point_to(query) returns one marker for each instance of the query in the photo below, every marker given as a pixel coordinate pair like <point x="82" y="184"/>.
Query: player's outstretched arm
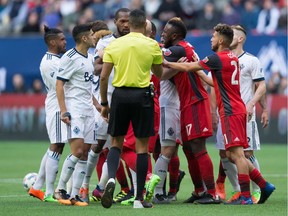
<point x="183" y="66"/>
<point x="205" y="78"/>
<point x="157" y="69"/>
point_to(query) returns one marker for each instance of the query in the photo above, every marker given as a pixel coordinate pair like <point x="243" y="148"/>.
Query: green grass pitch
<point x="19" y="158"/>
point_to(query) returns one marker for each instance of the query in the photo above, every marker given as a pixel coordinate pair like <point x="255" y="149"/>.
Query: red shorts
<point x="196" y="121"/>
<point x="234" y="130"/>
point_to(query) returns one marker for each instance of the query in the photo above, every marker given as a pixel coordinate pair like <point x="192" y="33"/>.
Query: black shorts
<point x="135" y="105"/>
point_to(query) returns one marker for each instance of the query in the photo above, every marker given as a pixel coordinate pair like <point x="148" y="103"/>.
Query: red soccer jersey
<point x="189" y="85"/>
<point x="224" y="67"/>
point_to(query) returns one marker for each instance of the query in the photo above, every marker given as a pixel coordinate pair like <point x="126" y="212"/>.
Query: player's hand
<point x="105" y="113"/>
<point x="195" y="57"/>
<point x="165" y="63"/>
<point x="98" y="107"/>
<point x="249" y="110"/>
<point x="182" y="59"/>
<point x="215" y="121"/>
<point x="66" y="117"/>
<point x="264" y="119"/>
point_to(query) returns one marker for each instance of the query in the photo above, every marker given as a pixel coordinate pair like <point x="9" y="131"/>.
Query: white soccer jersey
<point x="102" y="44"/>
<point x="168" y="95"/>
<point x="250" y="72"/>
<point x="49" y="67"/>
<point x="77" y="71"/>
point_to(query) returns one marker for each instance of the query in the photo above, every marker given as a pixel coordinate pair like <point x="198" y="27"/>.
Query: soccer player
<point x="74" y="94"/>
<point x="132" y="55"/>
<point x="57" y="132"/>
<point x="224" y="67"/>
<point x="122" y="28"/>
<point x="252" y="89"/>
<point x="195" y="118"/>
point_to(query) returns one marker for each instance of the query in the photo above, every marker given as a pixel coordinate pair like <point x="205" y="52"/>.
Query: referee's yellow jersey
<point x="132" y="56"/>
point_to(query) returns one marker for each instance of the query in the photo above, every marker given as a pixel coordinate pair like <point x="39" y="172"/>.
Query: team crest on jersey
<point x="170" y="131"/>
<point x="231" y="55"/>
<point x="76" y="130"/>
<point x="205" y="60"/>
<point x="166" y="52"/>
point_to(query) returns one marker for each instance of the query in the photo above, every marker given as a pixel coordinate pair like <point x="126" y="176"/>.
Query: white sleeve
<point x="66" y="68"/>
<point x="256" y="70"/>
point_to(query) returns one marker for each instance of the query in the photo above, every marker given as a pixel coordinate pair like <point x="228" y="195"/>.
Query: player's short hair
<point x="81" y="29"/>
<point x="239" y="28"/>
<point x="99" y="25"/>
<point x="137" y="19"/>
<point x="226" y="31"/>
<point x="50" y="33"/>
<point x="121" y="10"/>
<point x="153" y="27"/>
<point x="179" y="26"/>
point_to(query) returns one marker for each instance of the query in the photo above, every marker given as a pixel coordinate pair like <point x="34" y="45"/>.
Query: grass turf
<point x="19" y="158"/>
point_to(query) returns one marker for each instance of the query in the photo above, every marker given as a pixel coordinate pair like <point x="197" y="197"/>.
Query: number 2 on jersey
<point x="234" y="81"/>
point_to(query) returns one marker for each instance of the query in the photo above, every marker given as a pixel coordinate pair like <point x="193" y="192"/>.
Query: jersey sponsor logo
<point x="88" y="77"/>
<point x="170" y="131"/>
<point x="166" y="52"/>
<point x="205" y="60"/>
<point x="76" y="130"/>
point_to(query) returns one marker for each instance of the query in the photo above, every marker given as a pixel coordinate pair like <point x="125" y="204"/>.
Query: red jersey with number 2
<point x="224" y="67"/>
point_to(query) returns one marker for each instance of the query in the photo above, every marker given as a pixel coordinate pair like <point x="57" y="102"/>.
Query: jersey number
<point x="188" y="129"/>
<point x="233" y="78"/>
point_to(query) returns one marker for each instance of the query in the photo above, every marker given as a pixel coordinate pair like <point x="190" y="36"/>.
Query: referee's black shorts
<point x="131" y="104"/>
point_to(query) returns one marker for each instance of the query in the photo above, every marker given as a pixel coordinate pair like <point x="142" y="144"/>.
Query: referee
<point x="132" y="56"/>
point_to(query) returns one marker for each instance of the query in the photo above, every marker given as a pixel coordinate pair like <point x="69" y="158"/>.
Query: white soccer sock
<point x="255" y="163"/>
<point x="67" y="170"/>
<point x="161" y="168"/>
<point x="69" y="185"/>
<point x="231" y="172"/>
<point x="104" y="176"/>
<point x="41" y="173"/>
<point x="134" y="180"/>
<point x="78" y="176"/>
<point x="91" y="164"/>
<point x="52" y="164"/>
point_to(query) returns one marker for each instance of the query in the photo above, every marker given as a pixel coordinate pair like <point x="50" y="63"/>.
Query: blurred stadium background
<point x="22" y="94"/>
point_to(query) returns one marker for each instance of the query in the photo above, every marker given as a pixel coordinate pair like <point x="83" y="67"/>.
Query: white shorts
<point x="101" y="127"/>
<point x="56" y="129"/>
<point x="169" y="129"/>
<point x="252" y="136"/>
<point x="83" y="127"/>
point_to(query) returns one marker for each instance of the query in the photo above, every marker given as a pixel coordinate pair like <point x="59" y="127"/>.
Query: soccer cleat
<point x="266" y="192"/>
<point x="36" y="193"/>
<point x="256" y="196"/>
<point x="97" y="194"/>
<point x="235" y="196"/>
<point x="220" y="190"/>
<point x="128" y="202"/>
<point x="193" y="198"/>
<point x="77" y="201"/>
<point x="61" y="194"/>
<point x="107" y="198"/>
<point x="241" y="201"/>
<point x="119" y="197"/>
<point x="208" y="199"/>
<point x="172" y="196"/>
<point x="142" y="204"/>
<point x="128" y="195"/>
<point x="50" y="198"/>
<point x="160" y="199"/>
<point x="84" y="194"/>
<point x="150" y="187"/>
<point x="180" y="178"/>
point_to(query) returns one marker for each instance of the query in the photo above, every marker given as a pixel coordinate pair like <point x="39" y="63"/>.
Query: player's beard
<point x="122" y="33"/>
<point x="215" y="47"/>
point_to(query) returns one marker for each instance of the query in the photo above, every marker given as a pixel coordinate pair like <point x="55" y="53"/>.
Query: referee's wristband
<point x="104" y="103"/>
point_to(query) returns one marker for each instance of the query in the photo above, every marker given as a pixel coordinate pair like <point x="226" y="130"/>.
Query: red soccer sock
<point x="206" y="167"/>
<point x="256" y="176"/>
<point x="121" y="177"/>
<point x="130" y="157"/>
<point x="194" y="171"/>
<point x="221" y="174"/>
<point x="173" y="173"/>
<point x="101" y="160"/>
<point x="244" y="182"/>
